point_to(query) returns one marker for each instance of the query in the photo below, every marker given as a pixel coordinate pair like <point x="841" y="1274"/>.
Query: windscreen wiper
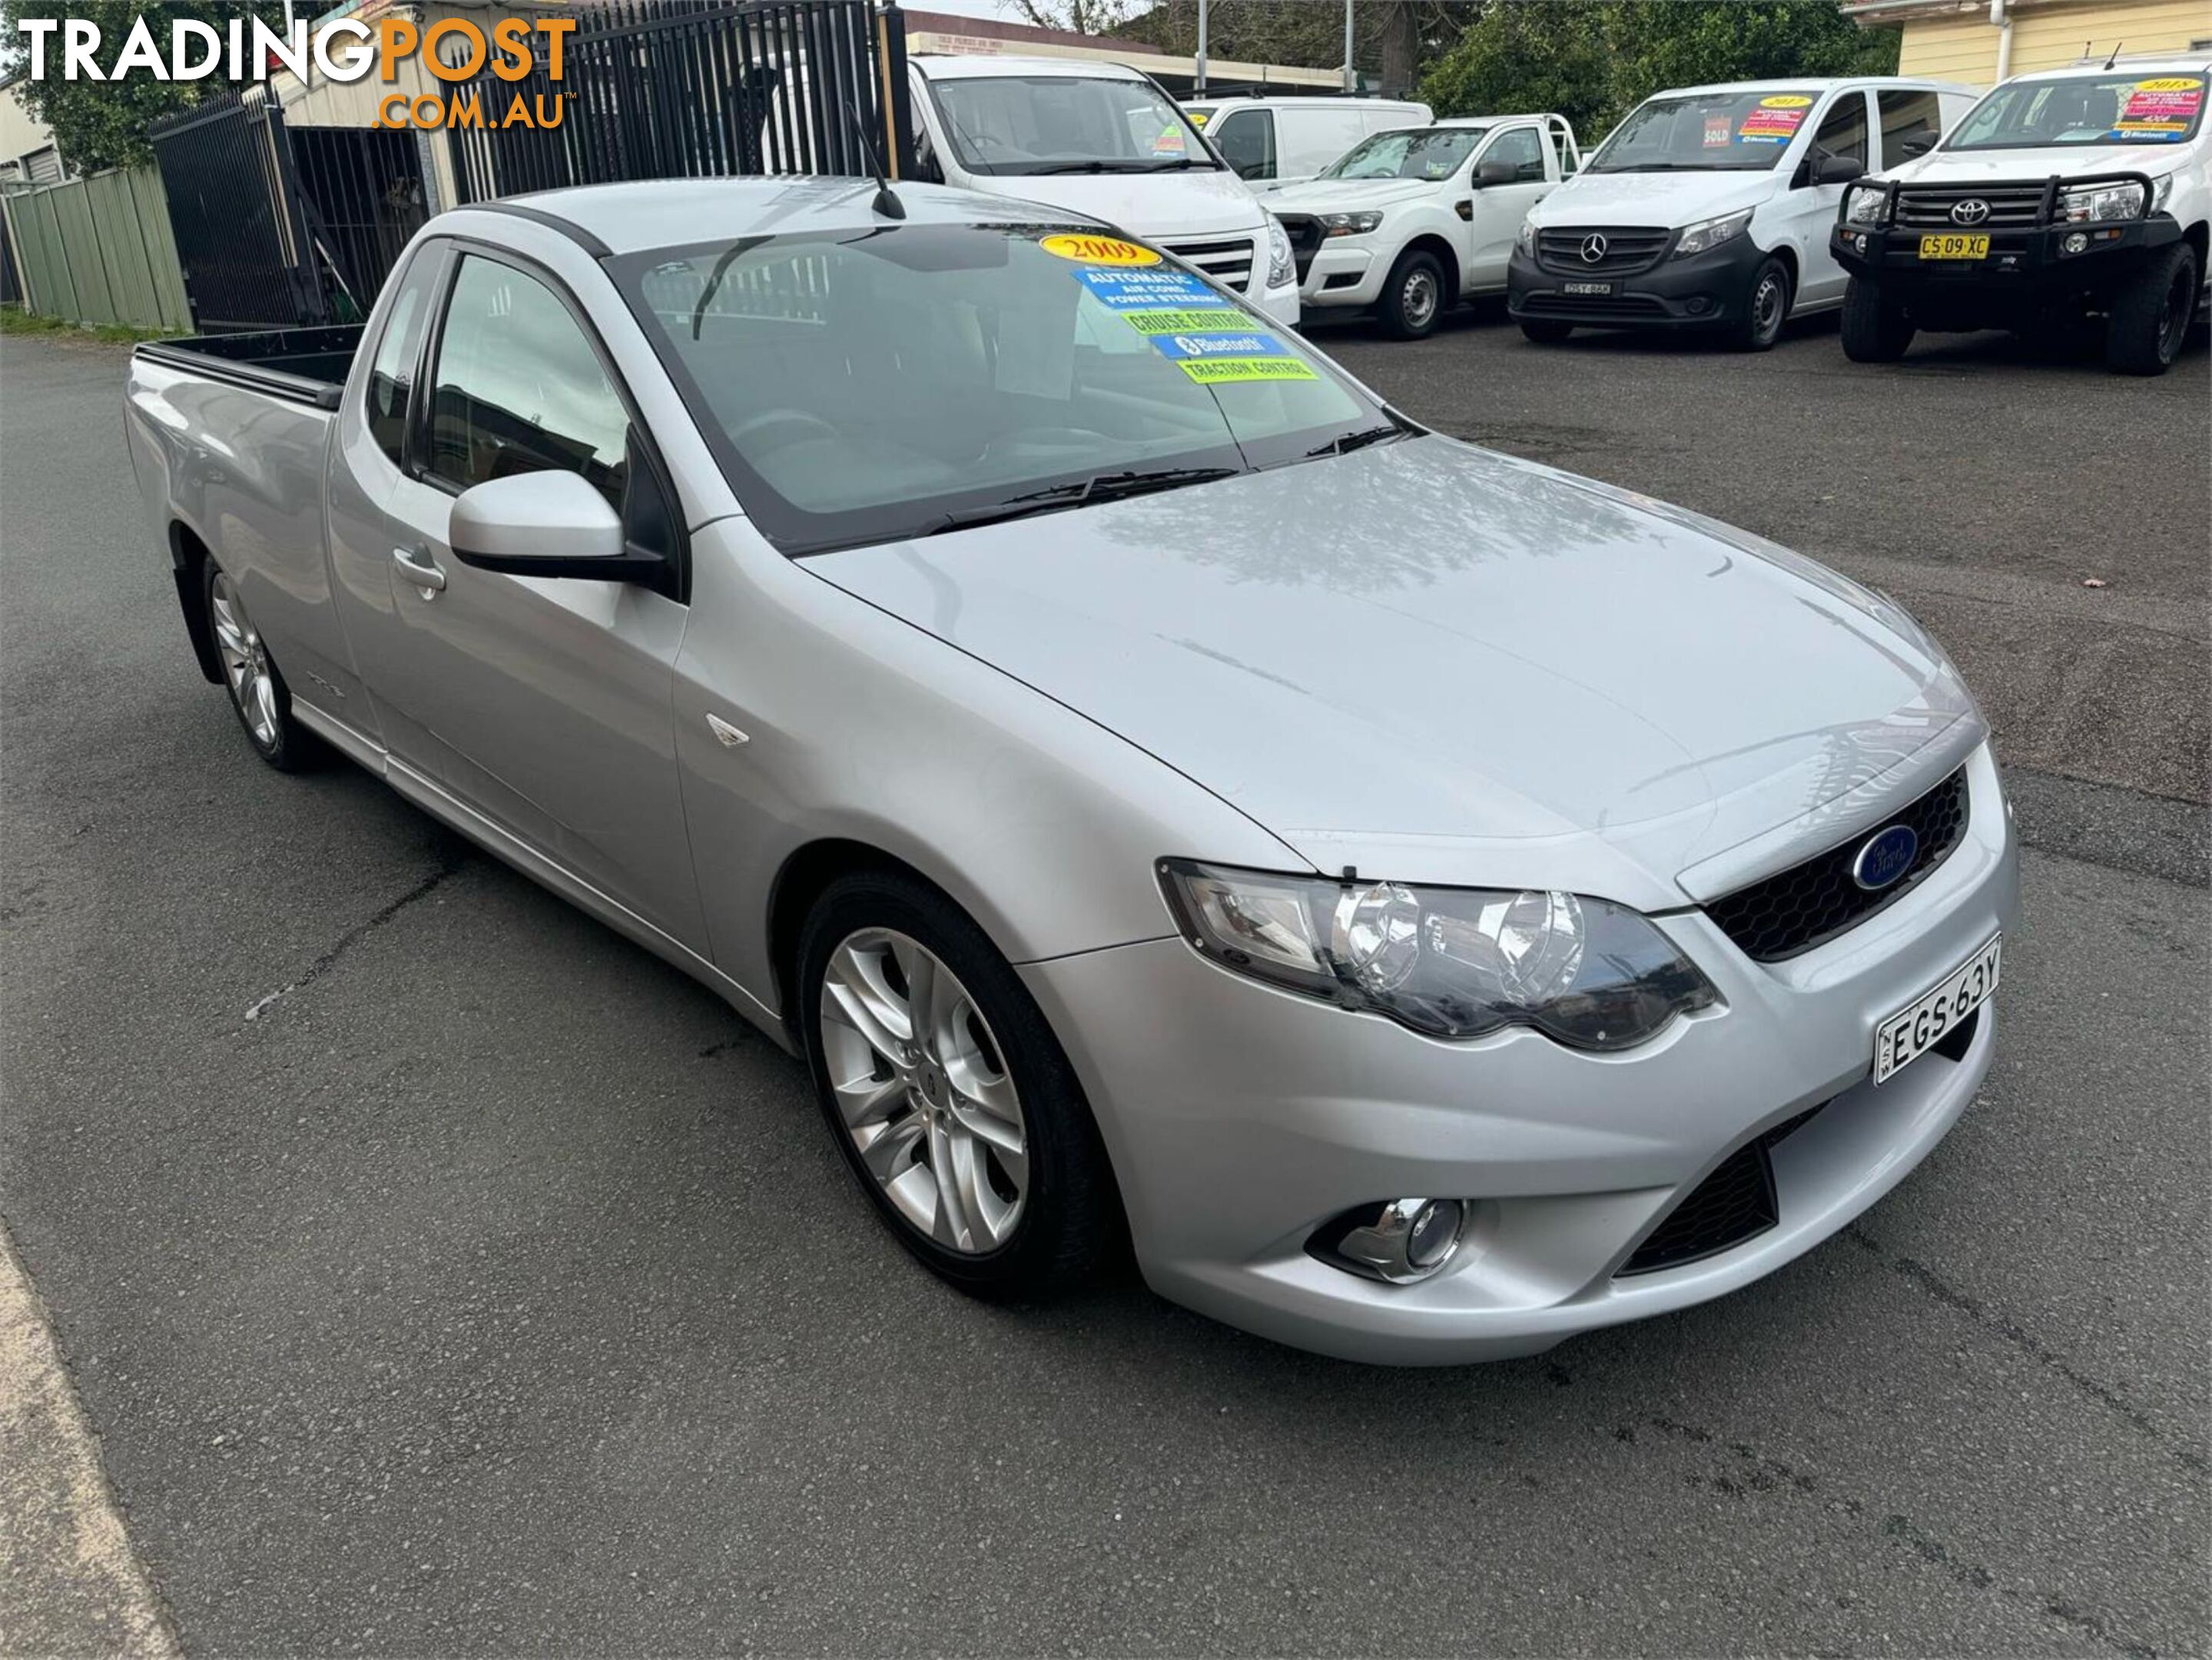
<point x="1105" y="487"/>
<point x="1359" y="440"/>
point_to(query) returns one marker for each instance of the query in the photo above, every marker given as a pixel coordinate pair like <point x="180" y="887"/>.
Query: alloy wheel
<point x="245" y="664"/>
<point x="922" y="1085"/>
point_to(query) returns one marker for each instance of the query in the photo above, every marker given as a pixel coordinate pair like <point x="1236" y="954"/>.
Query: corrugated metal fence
<point x="98" y="250"/>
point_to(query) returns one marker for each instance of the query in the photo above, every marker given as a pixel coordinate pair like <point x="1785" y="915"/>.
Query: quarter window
<point x="518" y="388"/>
<point x="392" y="374"/>
<point x="1246" y="139"/>
<point x="1907" y="117"/>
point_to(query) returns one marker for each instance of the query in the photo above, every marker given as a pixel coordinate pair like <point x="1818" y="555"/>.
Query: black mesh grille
<point x="1595" y="305"/>
<point x="1728" y="1207"/>
<point x="1812" y="902"/>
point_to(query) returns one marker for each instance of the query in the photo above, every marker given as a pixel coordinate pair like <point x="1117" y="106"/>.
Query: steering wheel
<point x="798" y="425"/>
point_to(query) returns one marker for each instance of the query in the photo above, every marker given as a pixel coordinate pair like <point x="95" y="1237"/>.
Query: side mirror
<point x="545" y="524"/>
<point x="1494" y="172"/>
<point x="1917" y="143"/>
<point x="1838" y="169"/>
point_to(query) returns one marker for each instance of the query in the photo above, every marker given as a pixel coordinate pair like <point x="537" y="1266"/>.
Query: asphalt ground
<point x="493" y="1290"/>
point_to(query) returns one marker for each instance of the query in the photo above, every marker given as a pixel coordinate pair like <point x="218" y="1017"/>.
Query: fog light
<point x="1859" y="242"/>
<point x="1698" y="304"/>
<point x="2074" y="242"/>
<point x="1399" y="1242"/>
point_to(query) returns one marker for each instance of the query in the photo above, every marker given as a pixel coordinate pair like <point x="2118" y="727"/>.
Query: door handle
<point x="418" y="567"/>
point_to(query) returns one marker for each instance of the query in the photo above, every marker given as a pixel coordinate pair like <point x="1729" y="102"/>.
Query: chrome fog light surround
<point x="1399" y="1242"/>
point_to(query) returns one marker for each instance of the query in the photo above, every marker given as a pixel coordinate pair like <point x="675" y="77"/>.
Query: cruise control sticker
<point x="1098" y="250"/>
<point x="2161" y="110"/>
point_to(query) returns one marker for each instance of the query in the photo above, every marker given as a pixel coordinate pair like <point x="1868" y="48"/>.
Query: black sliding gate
<point x="362" y="191"/>
<point x="234" y="208"/>
<point x="697" y="88"/>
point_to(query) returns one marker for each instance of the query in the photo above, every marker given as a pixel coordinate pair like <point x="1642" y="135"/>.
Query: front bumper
<point x="1280" y="304"/>
<point x="1240" y="1119"/>
<point x="1703" y="291"/>
<point x="1344" y="272"/>
<point x="2025" y="268"/>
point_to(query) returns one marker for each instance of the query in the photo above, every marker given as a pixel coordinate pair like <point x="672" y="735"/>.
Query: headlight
<point x="1526" y="237"/>
<point x="1865" y="207"/>
<point x="2103" y="202"/>
<point x="1349" y="224"/>
<point x="1282" y="269"/>
<point x="1710" y="232"/>
<point x="1447" y="962"/>
<point x="2161" y="189"/>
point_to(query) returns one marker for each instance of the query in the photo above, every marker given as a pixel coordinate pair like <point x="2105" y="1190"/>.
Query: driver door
<point x="544" y="703"/>
<point x="1497" y="210"/>
<point x="1842" y="133"/>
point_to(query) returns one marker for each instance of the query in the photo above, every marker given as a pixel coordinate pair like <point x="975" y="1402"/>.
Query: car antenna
<point x="886" y="203"/>
<point x="2115" y="58"/>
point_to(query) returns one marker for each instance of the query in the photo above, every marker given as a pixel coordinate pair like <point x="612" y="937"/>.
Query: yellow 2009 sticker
<point x="1098" y="250"/>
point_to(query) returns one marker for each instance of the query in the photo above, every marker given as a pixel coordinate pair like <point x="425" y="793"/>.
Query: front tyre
<point x="1546" y="331"/>
<point x="258" y="695"/>
<point x="2151" y="317"/>
<point x="1414" y="298"/>
<point x="1765" y="307"/>
<point x="1875" y="329"/>
<point x="952" y="1103"/>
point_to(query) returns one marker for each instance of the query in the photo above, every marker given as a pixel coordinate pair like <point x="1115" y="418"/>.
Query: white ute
<point x="2068" y="196"/>
<point x="1416" y="219"/>
<point x="1103" y="140"/>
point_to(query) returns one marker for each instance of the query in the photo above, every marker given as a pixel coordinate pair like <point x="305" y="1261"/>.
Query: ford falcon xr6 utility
<point x="1429" y="905"/>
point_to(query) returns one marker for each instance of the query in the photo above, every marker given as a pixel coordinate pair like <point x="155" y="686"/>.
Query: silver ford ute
<point x="1426" y="905"/>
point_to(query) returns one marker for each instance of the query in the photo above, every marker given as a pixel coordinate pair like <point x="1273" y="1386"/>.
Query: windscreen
<point x="871" y="383"/>
<point x="2084" y="109"/>
<point x="1410" y="153"/>
<point x="1039" y="123"/>
<point x="1706" y="132"/>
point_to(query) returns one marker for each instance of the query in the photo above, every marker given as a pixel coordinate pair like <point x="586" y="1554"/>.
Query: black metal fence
<point x="362" y="191"/>
<point x="696" y="88"/>
<point x="242" y="239"/>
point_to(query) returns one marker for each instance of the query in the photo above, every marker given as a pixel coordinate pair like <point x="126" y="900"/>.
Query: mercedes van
<point x="1708" y="208"/>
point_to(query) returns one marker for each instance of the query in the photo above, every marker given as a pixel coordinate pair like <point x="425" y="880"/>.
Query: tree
<point x="1594" y="60"/>
<point x="1392" y="38"/>
<point x="1080" y="16"/>
<point x="102" y="124"/>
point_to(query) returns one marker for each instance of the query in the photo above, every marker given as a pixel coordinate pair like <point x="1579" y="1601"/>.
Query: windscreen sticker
<point x="1226" y="371"/>
<point x="1720" y="132"/>
<point x="1152" y="290"/>
<point x="1177" y="322"/>
<point x="2163" y="109"/>
<point x="1775" y="121"/>
<point x="1170" y="141"/>
<point x="1098" y="250"/>
<point x="1196" y="348"/>
<point x="1199" y="117"/>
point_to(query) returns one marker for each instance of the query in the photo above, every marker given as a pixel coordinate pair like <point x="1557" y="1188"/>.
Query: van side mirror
<point x="1838" y="169"/>
<point x="1917" y="143"/>
<point x="1495" y="173"/>
<point x="546" y="523"/>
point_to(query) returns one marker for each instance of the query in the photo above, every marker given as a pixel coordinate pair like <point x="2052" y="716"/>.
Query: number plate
<point x="1955" y="247"/>
<point x="1586" y="287"/>
<point x="1921" y="1025"/>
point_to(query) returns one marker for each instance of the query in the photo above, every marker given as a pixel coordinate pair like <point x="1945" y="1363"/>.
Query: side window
<point x="519" y="389"/>
<point x="1246" y="139"/>
<point x="1844" y="129"/>
<point x="1910" y="123"/>
<point x="1522" y="150"/>
<point x="392" y="374"/>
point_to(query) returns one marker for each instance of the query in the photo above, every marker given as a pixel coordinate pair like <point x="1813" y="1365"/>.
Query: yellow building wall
<point x="1964" y="48"/>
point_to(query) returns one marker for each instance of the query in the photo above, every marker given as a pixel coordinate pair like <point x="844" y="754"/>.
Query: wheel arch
<point x="805" y="875"/>
<point x="1447" y="256"/>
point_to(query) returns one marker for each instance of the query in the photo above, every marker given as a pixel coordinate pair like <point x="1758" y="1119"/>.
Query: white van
<point x="1273" y="142"/>
<point x="1710" y="207"/>
<point x="1100" y="139"/>
<point x="1412" y="222"/>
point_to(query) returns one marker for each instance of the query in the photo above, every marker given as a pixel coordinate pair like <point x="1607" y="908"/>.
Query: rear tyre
<point x="947" y="1094"/>
<point x="1875" y="329"/>
<point x="258" y="695"/>
<point x="1546" y="331"/>
<point x="1765" y="307"/>
<point x="2151" y="317"/>
<point x="1413" y="298"/>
